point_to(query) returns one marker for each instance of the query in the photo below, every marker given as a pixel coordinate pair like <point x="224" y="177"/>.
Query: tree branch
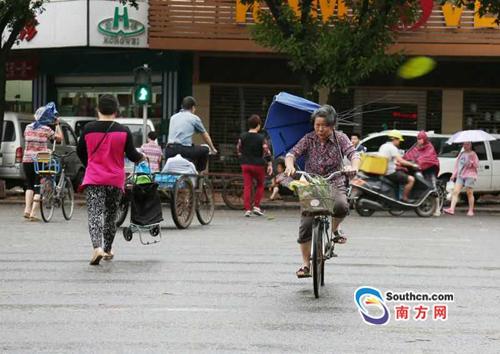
<point x="16" y="28"/>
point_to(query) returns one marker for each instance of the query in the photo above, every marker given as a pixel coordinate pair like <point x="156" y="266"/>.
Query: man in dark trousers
<point x="182" y="127"/>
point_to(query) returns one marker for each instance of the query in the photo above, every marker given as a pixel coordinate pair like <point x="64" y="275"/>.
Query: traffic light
<point x="143" y="89"/>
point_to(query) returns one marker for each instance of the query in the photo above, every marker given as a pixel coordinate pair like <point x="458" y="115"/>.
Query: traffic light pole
<point x="144" y="123"/>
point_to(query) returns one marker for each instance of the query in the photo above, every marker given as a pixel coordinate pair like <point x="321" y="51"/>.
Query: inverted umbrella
<point x="472" y="136"/>
<point x="288" y="120"/>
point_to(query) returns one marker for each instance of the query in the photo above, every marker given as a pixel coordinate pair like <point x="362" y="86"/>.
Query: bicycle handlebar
<point x="63" y="156"/>
<point x="331" y="176"/>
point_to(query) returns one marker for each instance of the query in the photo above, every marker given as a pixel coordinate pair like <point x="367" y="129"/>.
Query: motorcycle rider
<point x="390" y="151"/>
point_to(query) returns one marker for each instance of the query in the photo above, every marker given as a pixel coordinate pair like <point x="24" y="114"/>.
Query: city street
<point x="231" y="287"/>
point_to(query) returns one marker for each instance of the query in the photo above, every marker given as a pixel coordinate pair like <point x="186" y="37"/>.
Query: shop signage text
<point x="21" y="69"/>
<point x="452" y="14"/>
<point x="29" y="31"/>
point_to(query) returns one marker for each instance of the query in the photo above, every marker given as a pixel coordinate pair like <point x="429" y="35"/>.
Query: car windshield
<point x="136" y="130"/>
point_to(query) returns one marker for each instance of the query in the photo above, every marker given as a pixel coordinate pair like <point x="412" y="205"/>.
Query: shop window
<point x="495" y="149"/>
<point x="9" y="133"/>
<point x="482" y="111"/>
<point x="82" y="101"/>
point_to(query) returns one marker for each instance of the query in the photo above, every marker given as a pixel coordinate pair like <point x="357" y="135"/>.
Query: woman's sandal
<point x="27" y="215"/>
<point x="303" y="272"/>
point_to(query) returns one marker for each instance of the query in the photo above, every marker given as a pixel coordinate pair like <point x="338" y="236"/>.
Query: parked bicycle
<point x="316" y="200"/>
<point x="56" y="189"/>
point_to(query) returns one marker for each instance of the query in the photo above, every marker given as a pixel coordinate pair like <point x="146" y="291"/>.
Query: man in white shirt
<point x="390" y="151"/>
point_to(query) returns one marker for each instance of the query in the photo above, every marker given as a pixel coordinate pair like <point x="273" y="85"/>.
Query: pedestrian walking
<point x="255" y="155"/>
<point x="464" y="175"/>
<point x="36" y="138"/>
<point x="153" y="152"/>
<point x="101" y="148"/>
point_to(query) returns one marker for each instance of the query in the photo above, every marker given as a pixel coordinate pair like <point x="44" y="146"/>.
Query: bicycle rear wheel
<point x="232" y="193"/>
<point x="317" y="259"/>
<point x="47" y="199"/>
<point x="68" y="199"/>
<point x="182" y="202"/>
<point x="205" y="205"/>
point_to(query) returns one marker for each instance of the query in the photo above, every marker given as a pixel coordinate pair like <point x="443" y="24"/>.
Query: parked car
<point x="488" y="153"/>
<point x="77" y="123"/>
<point x="13" y="144"/>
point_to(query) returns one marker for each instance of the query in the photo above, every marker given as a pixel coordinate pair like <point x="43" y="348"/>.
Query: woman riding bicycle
<point x="36" y="138"/>
<point x="323" y="150"/>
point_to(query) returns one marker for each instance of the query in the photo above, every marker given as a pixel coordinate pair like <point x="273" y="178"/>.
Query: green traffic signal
<point x="143" y="94"/>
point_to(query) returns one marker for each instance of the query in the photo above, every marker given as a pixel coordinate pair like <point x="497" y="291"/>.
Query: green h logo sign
<point x="121" y="25"/>
<point x="118" y="17"/>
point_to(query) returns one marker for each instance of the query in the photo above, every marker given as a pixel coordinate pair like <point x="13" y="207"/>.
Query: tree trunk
<point x="308" y="88"/>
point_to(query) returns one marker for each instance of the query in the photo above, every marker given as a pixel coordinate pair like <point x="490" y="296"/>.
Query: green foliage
<point x="341" y="52"/>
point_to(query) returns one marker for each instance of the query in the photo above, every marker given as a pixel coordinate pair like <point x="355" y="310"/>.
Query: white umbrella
<point x="472" y="136"/>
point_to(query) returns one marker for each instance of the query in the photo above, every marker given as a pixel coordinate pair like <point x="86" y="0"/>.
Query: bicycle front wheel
<point x="317" y="259"/>
<point x="68" y="199"/>
<point x="205" y="205"/>
<point x="47" y="192"/>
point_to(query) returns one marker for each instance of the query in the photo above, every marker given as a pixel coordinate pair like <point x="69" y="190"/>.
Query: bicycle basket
<point x="316" y="198"/>
<point x="45" y="164"/>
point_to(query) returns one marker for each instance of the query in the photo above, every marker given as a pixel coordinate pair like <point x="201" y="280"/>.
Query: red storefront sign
<point x="22" y="69"/>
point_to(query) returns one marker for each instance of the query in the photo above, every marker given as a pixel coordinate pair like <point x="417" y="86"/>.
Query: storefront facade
<point x="236" y="77"/>
<point x="82" y="49"/>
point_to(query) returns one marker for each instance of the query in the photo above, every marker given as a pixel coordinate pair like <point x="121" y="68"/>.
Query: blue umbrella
<point x="288" y="120"/>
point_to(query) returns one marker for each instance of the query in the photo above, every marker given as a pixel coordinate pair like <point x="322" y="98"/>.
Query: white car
<point x="77" y="123"/>
<point x="488" y="153"/>
<point x="12" y="147"/>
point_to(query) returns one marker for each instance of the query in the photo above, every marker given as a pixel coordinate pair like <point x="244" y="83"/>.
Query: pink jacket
<point x="470" y="169"/>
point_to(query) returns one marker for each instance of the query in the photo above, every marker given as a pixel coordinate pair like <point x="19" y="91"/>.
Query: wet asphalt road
<point x="230" y="287"/>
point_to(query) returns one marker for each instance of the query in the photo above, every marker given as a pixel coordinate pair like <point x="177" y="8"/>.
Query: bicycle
<point x="316" y="200"/>
<point x="56" y="189"/>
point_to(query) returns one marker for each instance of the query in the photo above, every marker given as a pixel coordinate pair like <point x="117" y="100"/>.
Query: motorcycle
<point x="372" y="193"/>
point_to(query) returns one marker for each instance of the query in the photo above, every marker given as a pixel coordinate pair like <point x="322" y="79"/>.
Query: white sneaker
<point x="257" y="211"/>
<point x="248" y="213"/>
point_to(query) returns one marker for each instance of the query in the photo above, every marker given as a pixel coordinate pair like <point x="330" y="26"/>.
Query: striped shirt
<point x="35" y="141"/>
<point x="153" y="152"/>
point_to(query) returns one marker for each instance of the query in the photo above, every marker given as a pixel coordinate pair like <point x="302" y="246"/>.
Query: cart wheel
<point x="154" y="231"/>
<point x="182" y="202"/>
<point x="127" y="234"/>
